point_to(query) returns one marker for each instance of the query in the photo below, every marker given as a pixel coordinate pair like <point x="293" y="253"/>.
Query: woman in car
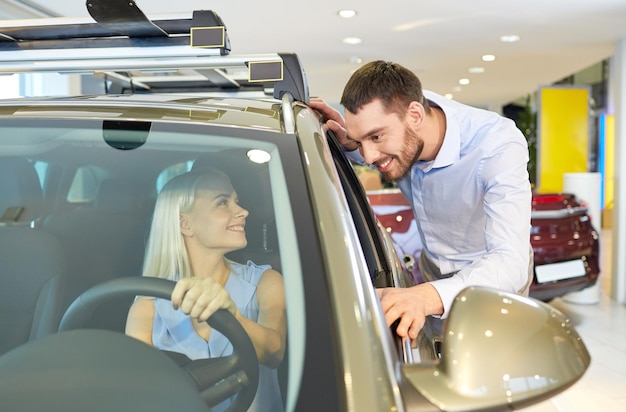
<point x="197" y="220"/>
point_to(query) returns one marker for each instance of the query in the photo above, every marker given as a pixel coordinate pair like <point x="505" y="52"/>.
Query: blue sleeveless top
<point x="173" y="331"/>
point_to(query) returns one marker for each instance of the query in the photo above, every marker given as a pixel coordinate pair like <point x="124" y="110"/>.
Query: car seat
<point x="21" y="197"/>
<point x="105" y="242"/>
<point x="32" y="268"/>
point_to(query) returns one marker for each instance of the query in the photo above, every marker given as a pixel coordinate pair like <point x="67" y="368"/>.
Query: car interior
<point x="31" y="294"/>
<point x="74" y="224"/>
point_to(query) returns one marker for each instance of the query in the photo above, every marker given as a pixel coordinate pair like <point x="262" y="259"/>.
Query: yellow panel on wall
<point x="563" y="135"/>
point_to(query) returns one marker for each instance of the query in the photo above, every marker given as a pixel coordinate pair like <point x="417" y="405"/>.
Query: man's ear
<point x="185" y="227"/>
<point x="416" y="113"/>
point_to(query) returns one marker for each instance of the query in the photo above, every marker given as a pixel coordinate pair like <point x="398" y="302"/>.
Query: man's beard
<point x="411" y="150"/>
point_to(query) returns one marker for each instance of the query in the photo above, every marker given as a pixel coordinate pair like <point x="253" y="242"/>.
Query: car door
<point x="385" y="267"/>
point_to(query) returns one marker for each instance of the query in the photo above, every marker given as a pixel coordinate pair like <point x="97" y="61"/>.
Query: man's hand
<point x="411" y="306"/>
<point x="201" y="297"/>
<point x="333" y="121"/>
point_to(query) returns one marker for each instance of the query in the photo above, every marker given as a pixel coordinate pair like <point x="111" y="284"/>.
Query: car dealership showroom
<point x="186" y="222"/>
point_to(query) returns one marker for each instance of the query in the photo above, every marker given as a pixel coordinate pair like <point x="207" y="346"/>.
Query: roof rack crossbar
<point x="106" y="59"/>
<point x="219" y="77"/>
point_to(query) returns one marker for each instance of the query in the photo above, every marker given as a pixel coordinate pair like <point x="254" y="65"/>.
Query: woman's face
<point x="216" y="221"/>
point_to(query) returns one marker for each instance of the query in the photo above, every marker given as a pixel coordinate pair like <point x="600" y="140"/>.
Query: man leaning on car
<point x="464" y="171"/>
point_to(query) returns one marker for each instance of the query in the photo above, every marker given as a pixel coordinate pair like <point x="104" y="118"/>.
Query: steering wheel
<point x="217" y="378"/>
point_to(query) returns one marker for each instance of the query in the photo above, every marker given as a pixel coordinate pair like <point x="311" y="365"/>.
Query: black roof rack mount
<point x="164" y="54"/>
<point x="123" y="17"/>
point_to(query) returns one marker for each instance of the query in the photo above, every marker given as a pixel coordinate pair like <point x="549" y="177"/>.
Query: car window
<point x="116" y="188"/>
<point x="363" y="218"/>
<point x="172" y="171"/>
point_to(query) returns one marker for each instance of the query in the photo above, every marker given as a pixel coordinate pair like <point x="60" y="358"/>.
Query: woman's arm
<point x="201" y="297"/>
<point x="140" y="320"/>
<point x="269" y="333"/>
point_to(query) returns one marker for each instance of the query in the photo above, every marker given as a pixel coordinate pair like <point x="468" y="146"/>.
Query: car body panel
<point x="452" y="388"/>
<point x="352" y="297"/>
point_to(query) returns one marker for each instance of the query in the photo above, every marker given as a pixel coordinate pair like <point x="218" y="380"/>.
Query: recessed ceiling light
<point x="356" y="60"/>
<point x="488" y="57"/>
<point x="464" y="81"/>
<point x="449" y="96"/>
<point x="352" y="40"/>
<point x="457" y="89"/>
<point x="476" y="70"/>
<point x="347" y="13"/>
<point x="509" y="38"/>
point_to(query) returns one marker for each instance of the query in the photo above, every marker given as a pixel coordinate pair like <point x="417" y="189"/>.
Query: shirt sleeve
<point x="355" y="156"/>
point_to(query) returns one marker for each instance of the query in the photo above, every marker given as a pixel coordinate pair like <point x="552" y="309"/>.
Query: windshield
<point x="83" y="194"/>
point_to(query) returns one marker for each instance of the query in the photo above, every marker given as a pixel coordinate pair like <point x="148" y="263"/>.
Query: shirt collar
<point x="450" y="150"/>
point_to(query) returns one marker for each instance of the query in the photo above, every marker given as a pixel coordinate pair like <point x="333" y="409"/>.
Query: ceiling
<point x="438" y="40"/>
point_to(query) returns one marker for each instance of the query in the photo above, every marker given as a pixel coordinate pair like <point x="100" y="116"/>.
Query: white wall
<point x="9" y="86"/>
<point x="49" y="84"/>
<point x="22" y="9"/>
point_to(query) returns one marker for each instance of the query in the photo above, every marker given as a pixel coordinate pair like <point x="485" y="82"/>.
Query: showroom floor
<point x="602" y="326"/>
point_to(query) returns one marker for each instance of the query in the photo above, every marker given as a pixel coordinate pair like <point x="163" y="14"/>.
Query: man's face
<point x="385" y="139"/>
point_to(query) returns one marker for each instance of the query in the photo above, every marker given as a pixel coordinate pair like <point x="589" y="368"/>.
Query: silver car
<point x="78" y="181"/>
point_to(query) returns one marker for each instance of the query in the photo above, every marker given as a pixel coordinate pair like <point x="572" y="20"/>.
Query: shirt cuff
<point x="448" y="289"/>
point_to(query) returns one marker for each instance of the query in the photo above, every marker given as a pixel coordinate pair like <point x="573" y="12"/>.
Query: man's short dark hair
<point x="395" y="86"/>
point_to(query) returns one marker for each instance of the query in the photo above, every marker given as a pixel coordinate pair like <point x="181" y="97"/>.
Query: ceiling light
<point x="449" y="96"/>
<point x="356" y="60"/>
<point x="464" y="81"/>
<point x="476" y="70"/>
<point x="346" y="14"/>
<point x="352" y="40"/>
<point x="509" y="38"/>
<point x="457" y="89"/>
<point x="488" y="57"/>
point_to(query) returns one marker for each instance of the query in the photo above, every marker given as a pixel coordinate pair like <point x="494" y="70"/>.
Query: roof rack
<point x="134" y="53"/>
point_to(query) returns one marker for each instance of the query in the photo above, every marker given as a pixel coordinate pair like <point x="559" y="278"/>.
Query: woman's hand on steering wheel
<point x="199" y="298"/>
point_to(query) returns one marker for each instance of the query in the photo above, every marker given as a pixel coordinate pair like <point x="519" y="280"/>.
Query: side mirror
<point x="501" y="351"/>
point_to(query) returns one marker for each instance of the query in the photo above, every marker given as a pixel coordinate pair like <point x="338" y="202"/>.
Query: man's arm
<point x="333" y="121"/>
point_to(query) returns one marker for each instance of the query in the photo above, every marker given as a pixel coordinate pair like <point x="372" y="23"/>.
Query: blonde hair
<point x="166" y="255"/>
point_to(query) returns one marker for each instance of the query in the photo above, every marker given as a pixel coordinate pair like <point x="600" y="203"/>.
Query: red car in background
<point x="564" y="241"/>
<point x="566" y="246"/>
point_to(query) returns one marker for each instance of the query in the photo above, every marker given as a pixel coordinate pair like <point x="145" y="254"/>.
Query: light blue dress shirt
<point x="472" y="203"/>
